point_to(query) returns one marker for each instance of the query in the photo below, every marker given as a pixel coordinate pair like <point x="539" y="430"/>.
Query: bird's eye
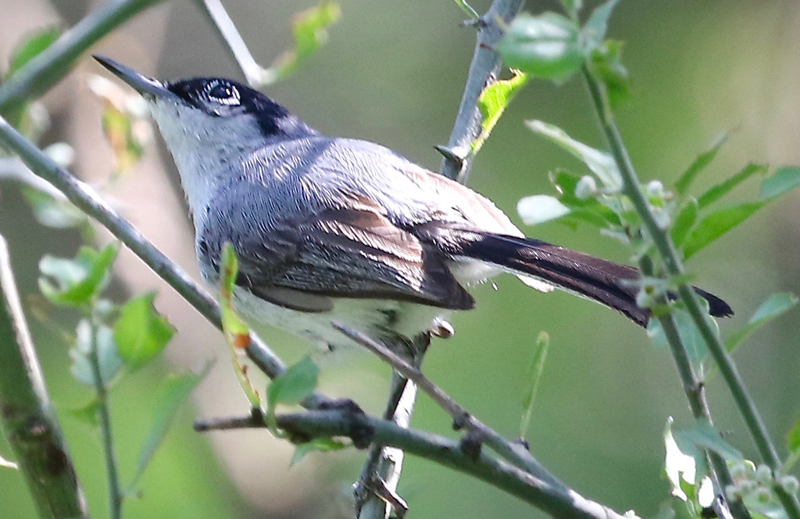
<point x="223" y="93"/>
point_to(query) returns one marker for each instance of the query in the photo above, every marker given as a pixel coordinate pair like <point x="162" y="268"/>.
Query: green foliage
<point x="237" y="335"/>
<point x="547" y="46"/>
<point x="292" y="387"/>
<point x="785" y="179"/>
<point x="140" y="332"/>
<point x="27" y="49"/>
<point x="723" y="188"/>
<point x="316" y="445"/>
<point x="699" y="164"/>
<point x="118" y="127"/>
<point x="690" y="336"/>
<point x="94" y="340"/>
<point x="77" y="281"/>
<point x="174" y="391"/>
<point x="594" y="32"/>
<point x="606" y="64"/>
<point x="52" y="212"/>
<point x="775" y="306"/>
<point x="493" y="101"/>
<point x="534" y="376"/>
<point x="793" y="446"/>
<point x="310" y="30"/>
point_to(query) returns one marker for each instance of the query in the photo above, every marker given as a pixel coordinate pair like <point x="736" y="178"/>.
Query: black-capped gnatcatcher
<point x="331" y="229"/>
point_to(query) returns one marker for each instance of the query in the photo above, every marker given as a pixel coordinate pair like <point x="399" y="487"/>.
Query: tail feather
<point x="603" y="281"/>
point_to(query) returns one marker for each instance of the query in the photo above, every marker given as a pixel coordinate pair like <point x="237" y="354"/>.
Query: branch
<point x="27" y="418"/>
<point x="88" y="201"/>
<point x="461" y="417"/>
<point x="674" y="268"/>
<point x="483" y="70"/>
<point x="555" y="501"/>
<point x="48" y="67"/>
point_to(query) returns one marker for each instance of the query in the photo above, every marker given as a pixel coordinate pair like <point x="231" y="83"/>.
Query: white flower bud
<point x="654" y="189"/>
<point x="62" y="153"/>
<point x="790" y="484"/>
<point x="764" y="475"/>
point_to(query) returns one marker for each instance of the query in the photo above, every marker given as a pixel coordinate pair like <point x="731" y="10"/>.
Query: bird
<point x="337" y="230"/>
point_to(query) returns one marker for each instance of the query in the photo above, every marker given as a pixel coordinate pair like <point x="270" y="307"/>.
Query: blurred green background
<point x="393" y="72"/>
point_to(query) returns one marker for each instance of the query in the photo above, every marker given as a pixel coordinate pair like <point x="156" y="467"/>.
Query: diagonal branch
<point x="48" y="67"/>
<point x="26" y="416"/>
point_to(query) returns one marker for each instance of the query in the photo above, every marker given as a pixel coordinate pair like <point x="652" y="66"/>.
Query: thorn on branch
<point x="523" y="443"/>
<point x="460" y="421"/>
<point x="471" y="444"/>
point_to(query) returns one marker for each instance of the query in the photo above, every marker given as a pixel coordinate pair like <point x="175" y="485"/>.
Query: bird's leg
<point x="376" y="490"/>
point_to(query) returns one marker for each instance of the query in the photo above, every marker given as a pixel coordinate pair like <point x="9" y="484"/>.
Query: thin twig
<point x="483" y="69"/>
<point x="674" y="268"/>
<point x="48" y="67"/>
<point x="515" y="454"/>
<point x="234" y="43"/>
<point x="106" y="431"/>
<point x="26" y="416"/>
<point x="550" y="498"/>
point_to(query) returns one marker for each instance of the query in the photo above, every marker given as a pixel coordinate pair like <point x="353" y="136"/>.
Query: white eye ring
<point x="231" y="98"/>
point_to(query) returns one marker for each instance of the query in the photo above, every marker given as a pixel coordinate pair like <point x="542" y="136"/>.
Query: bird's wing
<point x="345" y="253"/>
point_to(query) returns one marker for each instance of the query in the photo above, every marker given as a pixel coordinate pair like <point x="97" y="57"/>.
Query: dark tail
<point x="600" y="280"/>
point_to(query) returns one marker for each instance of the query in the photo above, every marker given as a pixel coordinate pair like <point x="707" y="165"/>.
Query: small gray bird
<point x="332" y="229"/>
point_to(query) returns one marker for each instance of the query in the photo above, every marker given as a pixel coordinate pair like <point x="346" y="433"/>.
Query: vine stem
<point x="106" y="432"/>
<point x="672" y="264"/>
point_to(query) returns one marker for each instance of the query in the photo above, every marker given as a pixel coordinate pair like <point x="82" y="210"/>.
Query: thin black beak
<point x="144" y="85"/>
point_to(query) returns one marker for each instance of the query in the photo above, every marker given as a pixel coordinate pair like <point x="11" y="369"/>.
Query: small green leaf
<point x="775" y="306"/>
<point x="75" y="282"/>
<point x="723" y="188"/>
<point x="493" y="101"/>
<point x="606" y="64"/>
<point x="58" y="214"/>
<point x="595" y="29"/>
<point x="688" y="333"/>
<point x="718" y="223"/>
<point x="87" y="414"/>
<point x="102" y="342"/>
<point x="793" y="437"/>
<point x="684" y="222"/>
<point x="141" y="333"/>
<point x="30" y="46"/>
<point x="589" y="209"/>
<point x="786" y="178"/>
<point x="174" y="391"/>
<point x="310" y="29"/>
<point x="294" y="385"/>
<point x="537" y="209"/>
<point x="237" y="335"/>
<point x="573" y="7"/>
<point x="684" y="464"/>
<point x="703" y="435"/>
<point x="315" y="445"/>
<point x="699" y="164"/>
<point x="534" y="376"/>
<point x="545" y="46"/>
<point x="599" y="162"/>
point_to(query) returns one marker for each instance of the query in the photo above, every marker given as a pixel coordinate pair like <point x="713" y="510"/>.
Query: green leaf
<point x="102" y="341"/>
<point x="684" y="222"/>
<point x="141" y="333"/>
<point x="537" y="209"/>
<point x="30" y="46"/>
<point x="534" y="374"/>
<point x="310" y="29"/>
<point x="87" y="414"/>
<point x="684" y="464"/>
<point x="606" y="64"/>
<point x="118" y="127"/>
<point x="174" y="391"/>
<point x="315" y="445"/>
<point x="237" y="335"/>
<point x="595" y="29"/>
<point x="58" y="214"/>
<point x="493" y="101"/>
<point x="775" y="306"/>
<point x="294" y="385"/>
<point x="589" y="209"/>
<point x="573" y="7"/>
<point x="75" y="282"/>
<point x="687" y="331"/>
<point x="599" y="162"/>
<point x="545" y="46"/>
<point x="793" y="437"/>
<point x="699" y="164"/>
<point x="703" y="435"/>
<point x="716" y="224"/>
<point x="786" y="178"/>
<point x="723" y="188"/>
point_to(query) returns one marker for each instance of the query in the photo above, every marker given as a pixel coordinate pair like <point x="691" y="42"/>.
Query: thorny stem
<point x="672" y="264"/>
